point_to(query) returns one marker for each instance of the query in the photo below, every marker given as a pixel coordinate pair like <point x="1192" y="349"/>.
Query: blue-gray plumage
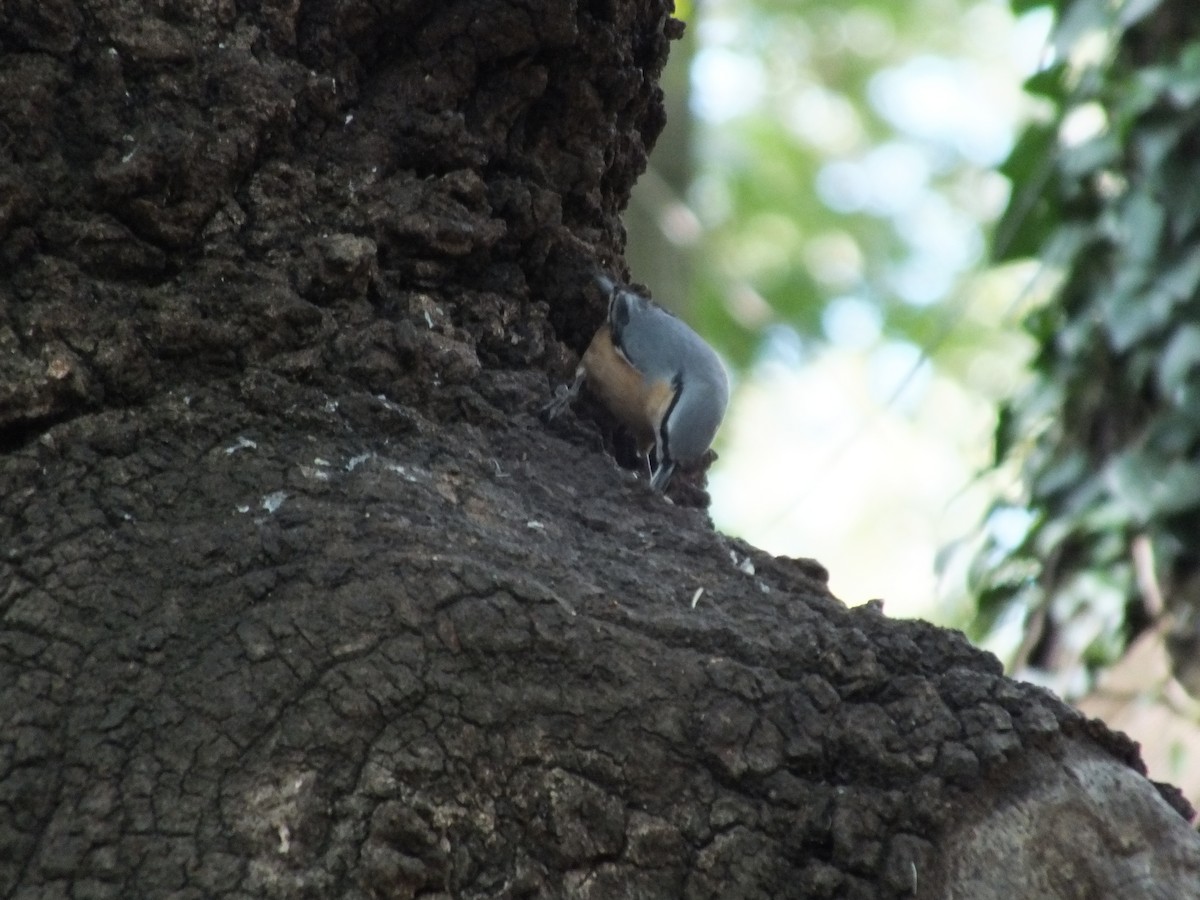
<point x="658" y="377"/>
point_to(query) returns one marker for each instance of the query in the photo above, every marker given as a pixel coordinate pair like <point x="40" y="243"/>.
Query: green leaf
<point x="1172" y="435"/>
<point x="1141" y="226"/>
<point x="1031" y="213"/>
<point x="1134" y="309"/>
<point x="1182" y="279"/>
<point x="1089" y="157"/>
<point x="1181" y="195"/>
<point x="1133" y="11"/>
<point x="1059" y="476"/>
<point x="1029" y="156"/>
<point x="1149" y="488"/>
<point x="1138" y="93"/>
<point x="1050" y="82"/>
<point x="1179" y="359"/>
<point x="1080" y="18"/>
<point x="1131" y="315"/>
<point x="1183" y="84"/>
<point x="1154" y="143"/>
<point x="1042" y="322"/>
<point x="1005" y="435"/>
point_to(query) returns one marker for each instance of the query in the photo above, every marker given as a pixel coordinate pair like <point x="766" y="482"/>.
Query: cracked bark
<point x="299" y="599"/>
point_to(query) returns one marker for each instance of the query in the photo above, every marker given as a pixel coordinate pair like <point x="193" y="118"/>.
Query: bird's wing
<point x="651" y="339"/>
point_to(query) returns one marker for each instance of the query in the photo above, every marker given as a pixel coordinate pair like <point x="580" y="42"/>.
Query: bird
<point x="658" y="377"/>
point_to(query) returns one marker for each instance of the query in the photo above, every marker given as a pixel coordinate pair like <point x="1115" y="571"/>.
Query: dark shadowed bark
<point x="298" y="598"/>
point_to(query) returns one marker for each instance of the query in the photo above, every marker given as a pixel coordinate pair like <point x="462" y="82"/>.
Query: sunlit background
<point x="821" y="207"/>
<point x="829" y="230"/>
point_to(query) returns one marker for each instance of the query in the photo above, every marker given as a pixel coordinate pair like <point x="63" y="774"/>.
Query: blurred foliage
<point x="824" y="183"/>
<point x="828" y="238"/>
<point x="1106" y="194"/>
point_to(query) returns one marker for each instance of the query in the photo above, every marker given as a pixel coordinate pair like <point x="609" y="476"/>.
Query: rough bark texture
<point x="297" y="596"/>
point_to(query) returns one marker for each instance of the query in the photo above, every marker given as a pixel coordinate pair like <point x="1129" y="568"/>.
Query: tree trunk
<point x="298" y="597"/>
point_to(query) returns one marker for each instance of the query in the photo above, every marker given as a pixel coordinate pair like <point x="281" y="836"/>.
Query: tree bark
<point x="298" y="598"/>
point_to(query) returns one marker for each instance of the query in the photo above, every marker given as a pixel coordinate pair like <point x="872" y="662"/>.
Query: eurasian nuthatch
<point x="657" y="376"/>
